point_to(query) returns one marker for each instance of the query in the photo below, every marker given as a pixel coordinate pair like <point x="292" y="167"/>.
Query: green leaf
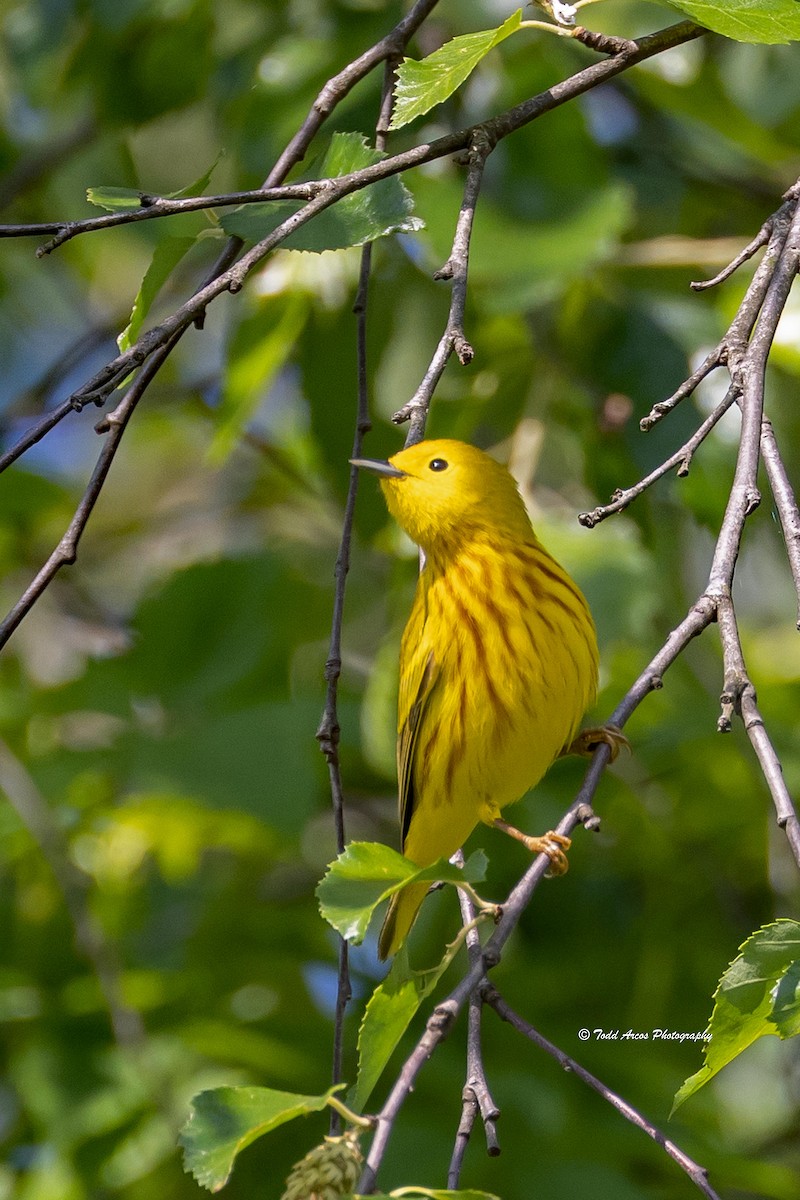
<point x="114" y="198"/>
<point x="786" y="1007"/>
<point x="382" y="208"/>
<point x="366" y="873"/>
<point x="768" y="21"/>
<point x="388" y="1014"/>
<point x="422" y="85"/>
<point x="222" y="1121"/>
<point x="200" y="184"/>
<point x="757" y="995"/>
<point x="166" y="256"/>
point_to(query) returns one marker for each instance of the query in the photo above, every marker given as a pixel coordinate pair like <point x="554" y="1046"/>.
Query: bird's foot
<point x="552" y="844"/>
<point x="588" y="740"/>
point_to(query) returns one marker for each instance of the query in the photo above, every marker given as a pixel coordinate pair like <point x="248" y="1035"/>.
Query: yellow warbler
<point x="498" y="660"/>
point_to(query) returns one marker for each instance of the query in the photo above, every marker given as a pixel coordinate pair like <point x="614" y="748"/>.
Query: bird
<point x="498" y="660"/>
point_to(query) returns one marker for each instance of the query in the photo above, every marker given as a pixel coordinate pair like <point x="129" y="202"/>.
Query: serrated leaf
<point x="367" y="873"/>
<point x="382" y="208"/>
<point x="388" y="1014"/>
<point x="222" y="1121"/>
<point x="767" y="21"/>
<point x="757" y="995"/>
<point x="166" y="256"/>
<point x="114" y="198"/>
<point x="421" y="85"/>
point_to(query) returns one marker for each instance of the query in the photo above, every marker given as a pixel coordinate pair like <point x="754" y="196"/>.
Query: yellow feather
<point x="498" y="661"/>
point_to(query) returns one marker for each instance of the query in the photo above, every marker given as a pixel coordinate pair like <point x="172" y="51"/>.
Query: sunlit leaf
<point x="366" y="873"/>
<point x="222" y="1121"/>
<point x="114" y="198"/>
<point x="421" y="85"/>
<point x="757" y="995"/>
<point x="745" y="20"/>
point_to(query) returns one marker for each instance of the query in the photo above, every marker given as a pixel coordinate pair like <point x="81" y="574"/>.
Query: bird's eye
<point x="438" y="464"/>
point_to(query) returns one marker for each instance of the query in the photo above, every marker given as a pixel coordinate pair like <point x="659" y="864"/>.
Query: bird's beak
<point x="378" y="467"/>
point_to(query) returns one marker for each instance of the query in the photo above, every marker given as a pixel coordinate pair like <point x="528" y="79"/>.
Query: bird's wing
<point x="418" y="674"/>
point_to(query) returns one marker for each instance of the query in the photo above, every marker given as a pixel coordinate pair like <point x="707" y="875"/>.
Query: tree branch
<point x="329" y="730"/>
<point x="744" y="350"/>
<point x="697" y="1174"/>
<point x="456" y="269"/>
<point x="232" y="277"/>
<point x="476" y="1096"/>
<point x="785" y="502"/>
<point x="681" y="459"/>
<point x="65" y="553"/>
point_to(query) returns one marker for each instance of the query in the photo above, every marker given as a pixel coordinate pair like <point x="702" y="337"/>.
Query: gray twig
<point x="744" y="350"/>
<point x="152" y="208"/>
<point x="113" y="425"/>
<point x="785" y="502"/>
<point x="229" y="276"/>
<point x="700" y="615"/>
<point x="476" y="1098"/>
<point x="453" y="340"/>
<point x="697" y="1174"/>
<point x="681" y="460"/>
<point x="329" y="730"/>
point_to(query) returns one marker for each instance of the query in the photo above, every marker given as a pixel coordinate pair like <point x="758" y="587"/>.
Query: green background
<point x="163" y="696"/>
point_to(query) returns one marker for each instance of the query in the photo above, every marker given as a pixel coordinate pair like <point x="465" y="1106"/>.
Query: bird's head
<point x="443" y="493"/>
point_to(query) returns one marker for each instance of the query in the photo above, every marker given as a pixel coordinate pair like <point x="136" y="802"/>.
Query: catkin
<point x="328" y="1171"/>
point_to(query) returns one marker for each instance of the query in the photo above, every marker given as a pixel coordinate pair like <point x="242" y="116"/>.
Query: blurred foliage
<point x="163" y="696"/>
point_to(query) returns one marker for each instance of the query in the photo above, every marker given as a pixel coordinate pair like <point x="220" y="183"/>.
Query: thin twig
<point x="697" y="1174"/>
<point x="65" y="553"/>
<point x="334" y="90"/>
<point x="339" y="85"/>
<point x="752" y="247"/>
<point x="785" y="502"/>
<point x="328" y="732"/>
<point x="151" y="208"/>
<point x="603" y="43"/>
<point x="476" y="1097"/>
<point x="453" y="340"/>
<point x="709" y="364"/>
<point x="739" y="697"/>
<point x="761" y="239"/>
<point x="681" y="459"/>
<point x="443" y="1016"/>
<point x="741" y="327"/>
<point x="226" y="277"/>
<point x="745" y="350"/>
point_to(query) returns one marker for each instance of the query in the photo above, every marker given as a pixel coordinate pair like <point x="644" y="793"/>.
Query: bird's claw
<point x="588" y="740"/>
<point x="554" y="845"/>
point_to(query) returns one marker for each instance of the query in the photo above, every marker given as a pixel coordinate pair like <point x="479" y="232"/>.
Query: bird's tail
<point x="403" y="908"/>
